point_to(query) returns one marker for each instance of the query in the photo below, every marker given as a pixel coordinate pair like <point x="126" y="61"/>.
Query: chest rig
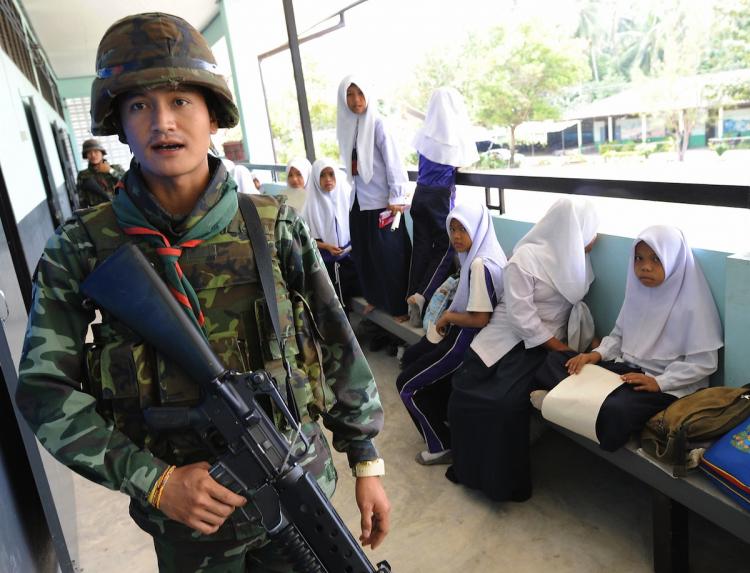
<point x="126" y="376"/>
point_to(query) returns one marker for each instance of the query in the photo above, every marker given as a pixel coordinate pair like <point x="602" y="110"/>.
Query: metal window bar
<point x="15" y="41"/>
<point x="737" y="196"/>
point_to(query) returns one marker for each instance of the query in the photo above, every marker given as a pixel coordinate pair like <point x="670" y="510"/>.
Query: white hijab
<point x="475" y="217"/>
<point x="553" y="250"/>
<point x="350" y="124"/>
<point x="679" y="316"/>
<point x="327" y="213"/>
<point x="446" y="137"/>
<point x="302" y="165"/>
<point x="242" y="176"/>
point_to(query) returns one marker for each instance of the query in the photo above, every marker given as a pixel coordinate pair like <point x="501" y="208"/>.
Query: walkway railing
<point x="737" y="196"/>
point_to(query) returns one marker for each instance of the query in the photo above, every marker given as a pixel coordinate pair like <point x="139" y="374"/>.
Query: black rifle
<point x="255" y="460"/>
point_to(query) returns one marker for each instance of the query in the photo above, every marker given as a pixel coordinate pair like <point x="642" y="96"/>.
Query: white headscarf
<point x="679" y="316"/>
<point x="302" y="165"/>
<point x="475" y="218"/>
<point x="446" y="137"/>
<point x="327" y="213"/>
<point x="349" y="123"/>
<point x="242" y="176"/>
<point x="553" y="250"/>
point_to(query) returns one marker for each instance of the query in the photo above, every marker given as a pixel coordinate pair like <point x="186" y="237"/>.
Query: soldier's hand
<point x="375" y="510"/>
<point x="191" y="496"/>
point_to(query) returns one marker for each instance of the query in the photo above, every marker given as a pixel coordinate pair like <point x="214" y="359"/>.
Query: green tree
<point x="521" y="76"/>
<point x="729" y="47"/>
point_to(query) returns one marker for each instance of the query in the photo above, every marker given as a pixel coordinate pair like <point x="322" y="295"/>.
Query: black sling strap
<point x="262" y="256"/>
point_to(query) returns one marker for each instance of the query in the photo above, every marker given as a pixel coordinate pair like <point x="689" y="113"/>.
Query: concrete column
<point x="720" y="123"/>
<point x="243" y="49"/>
<point x="737" y="320"/>
<point x="610" y="130"/>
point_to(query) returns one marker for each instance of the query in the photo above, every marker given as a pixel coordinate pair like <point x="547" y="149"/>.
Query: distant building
<point x="647" y="111"/>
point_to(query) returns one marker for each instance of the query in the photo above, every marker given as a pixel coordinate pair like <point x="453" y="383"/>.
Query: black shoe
<point x="450" y="473"/>
<point x="379" y="341"/>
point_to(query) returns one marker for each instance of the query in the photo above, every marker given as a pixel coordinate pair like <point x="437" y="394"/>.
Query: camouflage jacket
<point x="95" y="188"/>
<point x="68" y="418"/>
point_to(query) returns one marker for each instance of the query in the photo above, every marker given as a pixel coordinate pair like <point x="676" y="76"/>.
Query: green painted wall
<point x="75" y="87"/>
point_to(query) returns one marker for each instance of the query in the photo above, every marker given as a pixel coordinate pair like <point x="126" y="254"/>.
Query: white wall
<point x="17" y="156"/>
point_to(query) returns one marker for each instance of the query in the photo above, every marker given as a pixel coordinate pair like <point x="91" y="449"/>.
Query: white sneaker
<point x="537" y="397"/>
<point x="428" y="459"/>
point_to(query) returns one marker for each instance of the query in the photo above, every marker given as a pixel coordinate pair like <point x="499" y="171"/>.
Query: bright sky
<point x="386" y="39"/>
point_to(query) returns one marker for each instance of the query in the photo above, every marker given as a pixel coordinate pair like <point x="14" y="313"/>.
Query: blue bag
<point x="727" y="464"/>
<point x="440" y="301"/>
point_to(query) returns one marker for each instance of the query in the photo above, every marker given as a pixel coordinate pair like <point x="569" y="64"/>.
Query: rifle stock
<point x="257" y="461"/>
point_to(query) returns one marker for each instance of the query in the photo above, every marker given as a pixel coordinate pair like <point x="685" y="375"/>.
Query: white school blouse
<point x="678" y="377"/>
<point x="479" y="296"/>
<point x="390" y="182"/>
<point x="530" y="311"/>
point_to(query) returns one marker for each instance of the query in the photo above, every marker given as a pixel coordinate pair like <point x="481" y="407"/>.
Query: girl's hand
<point x="443" y="323"/>
<point x="575" y="364"/>
<point x="396" y="208"/>
<point x="641" y="382"/>
<point x="334" y="250"/>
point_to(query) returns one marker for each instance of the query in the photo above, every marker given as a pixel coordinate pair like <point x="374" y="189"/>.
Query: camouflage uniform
<point x="92" y="186"/>
<point x="93" y="424"/>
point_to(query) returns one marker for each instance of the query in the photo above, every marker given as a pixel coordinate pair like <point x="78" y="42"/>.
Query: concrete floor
<point x="585" y="515"/>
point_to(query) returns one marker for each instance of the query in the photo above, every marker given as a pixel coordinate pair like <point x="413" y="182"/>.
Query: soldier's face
<point x="94" y="156"/>
<point x="169" y="131"/>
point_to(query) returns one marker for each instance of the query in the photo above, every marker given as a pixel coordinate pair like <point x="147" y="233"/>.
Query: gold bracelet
<point x="153" y="495"/>
<point x="167" y="474"/>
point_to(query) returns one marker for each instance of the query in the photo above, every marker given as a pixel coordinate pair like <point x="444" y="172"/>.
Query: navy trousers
<point x="381" y="257"/>
<point x="624" y="412"/>
<point x="432" y="253"/>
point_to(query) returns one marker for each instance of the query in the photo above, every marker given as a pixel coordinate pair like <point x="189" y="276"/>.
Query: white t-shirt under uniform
<point x="479" y="296"/>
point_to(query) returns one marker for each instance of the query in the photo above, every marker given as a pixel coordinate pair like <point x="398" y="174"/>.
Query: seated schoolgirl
<point x="664" y="344"/>
<point x="424" y="383"/>
<point x="544" y="282"/>
<point x="297" y="179"/>
<point x="326" y="212"/>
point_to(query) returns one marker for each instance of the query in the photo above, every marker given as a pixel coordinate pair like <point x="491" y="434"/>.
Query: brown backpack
<point x="692" y="420"/>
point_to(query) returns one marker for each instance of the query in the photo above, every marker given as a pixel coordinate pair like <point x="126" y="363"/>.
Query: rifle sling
<point x="262" y="255"/>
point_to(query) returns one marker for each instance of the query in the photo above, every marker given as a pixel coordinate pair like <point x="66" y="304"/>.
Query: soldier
<point x="96" y="183"/>
<point x="157" y="88"/>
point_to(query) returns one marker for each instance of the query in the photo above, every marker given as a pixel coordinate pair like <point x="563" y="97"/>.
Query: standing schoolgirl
<point x="297" y="179"/>
<point x="326" y="212"/>
<point x="444" y="144"/>
<point x="380" y="186"/>
<point x="664" y="344"/>
<point x="424" y="384"/>
<point x="545" y="279"/>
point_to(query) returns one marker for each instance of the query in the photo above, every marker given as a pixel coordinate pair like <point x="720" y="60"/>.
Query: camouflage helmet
<point x="91" y="144"/>
<point x="148" y="50"/>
